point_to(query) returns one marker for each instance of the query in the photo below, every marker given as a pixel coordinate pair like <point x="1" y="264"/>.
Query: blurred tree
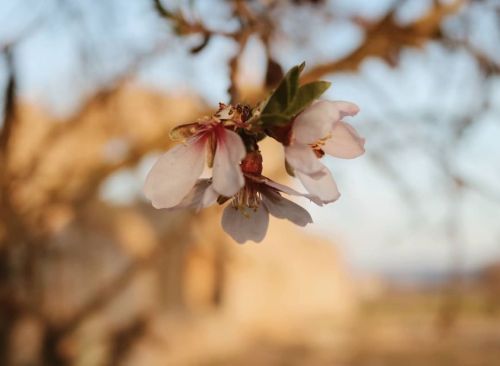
<point x="52" y="170"/>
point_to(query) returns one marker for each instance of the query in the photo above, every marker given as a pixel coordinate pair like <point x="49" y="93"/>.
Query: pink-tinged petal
<point x="302" y="158"/>
<point x="320" y="185"/>
<point x="194" y="197"/>
<point x="292" y="192"/>
<point x="283" y="208"/>
<point x="209" y="197"/>
<point x="344" y="142"/>
<point x="227" y="176"/>
<point x="283" y="188"/>
<point x="245" y="225"/>
<point x="346" y="108"/>
<point x="316" y="121"/>
<point x="201" y="196"/>
<point x="174" y="174"/>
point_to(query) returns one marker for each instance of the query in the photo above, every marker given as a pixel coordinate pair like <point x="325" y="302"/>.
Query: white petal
<point x="317" y="120"/>
<point x="248" y="225"/>
<point x="174" y="174"/>
<point x="346" y="108"/>
<point x="292" y="192"/>
<point x="227" y="176"/>
<point x="302" y="158"/>
<point x="320" y="185"/>
<point x="283" y="208"/>
<point x="344" y="142"/>
<point x="209" y="197"/>
<point x="201" y="196"/>
<point x="283" y="188"/>
<point x="314" y="122"/>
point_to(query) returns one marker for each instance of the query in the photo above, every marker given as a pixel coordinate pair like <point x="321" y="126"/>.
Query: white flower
<point x="176" y="172"/>
<point x="247" y="216"/>
<point x="318" y="130"/>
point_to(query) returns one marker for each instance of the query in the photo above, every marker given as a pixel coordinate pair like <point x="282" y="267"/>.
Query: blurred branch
<point x="487" y="193"/>
<point x="54" y="335"/>
<point x="107" y="293"/>
<point x="37" y="22"/>
<point x="386" y="38"/>
<point x="184" y="27"/>
<point x="9" y="104"/>
<point x="488" y="66"/>
<point x="100" y="98"/>
<point x="18" y="246"/>
<point x="250" y="23"/>
<point x="7" y="211"/>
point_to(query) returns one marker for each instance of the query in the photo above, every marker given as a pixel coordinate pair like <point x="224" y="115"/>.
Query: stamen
<point x="317" y="146"/>
<point x="247" y="198"/>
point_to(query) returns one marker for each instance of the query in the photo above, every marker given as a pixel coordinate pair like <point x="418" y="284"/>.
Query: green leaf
<point x="306" y="94"/>
<point x="289" y="99"/>
<point x="274" y="119"/>
<point x="285" y="92"/>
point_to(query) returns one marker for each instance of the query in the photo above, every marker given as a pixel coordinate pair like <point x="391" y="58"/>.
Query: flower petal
<point x="245" y="225"/>
<point x="316" y="121"/>
<point x="227" y="176"/>
<point x="344" y="142"/>
<point x="174" y="174"/>
<point x="201" y="196"/>
<point x="283" y="208"/>
<point x="291" y="191"/>
<point x="209" y="197"/>
<point x="302" y="158"/>
<point x="346" y="108"/>
<point x="320" y="185"/>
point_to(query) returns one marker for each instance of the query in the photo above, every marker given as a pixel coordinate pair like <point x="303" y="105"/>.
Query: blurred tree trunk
<point x="8" y="307"/>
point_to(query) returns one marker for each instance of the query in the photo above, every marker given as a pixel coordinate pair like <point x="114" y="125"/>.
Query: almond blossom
<point x="319" y="129"/>
<point x="228" y="142"/>
<point x="246" y="217"/>
<point x="176" y="172"/>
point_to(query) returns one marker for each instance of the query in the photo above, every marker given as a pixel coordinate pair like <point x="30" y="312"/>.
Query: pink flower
<point x="318" y="130"/>
<point x="175" y="173"/>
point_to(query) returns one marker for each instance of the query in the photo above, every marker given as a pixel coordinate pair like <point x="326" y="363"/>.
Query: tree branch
<point x="386" y="38"/>
<point x="9" y="104"/>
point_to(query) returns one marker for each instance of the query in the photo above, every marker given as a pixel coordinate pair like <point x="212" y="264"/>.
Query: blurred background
<point x="403" y="270"/>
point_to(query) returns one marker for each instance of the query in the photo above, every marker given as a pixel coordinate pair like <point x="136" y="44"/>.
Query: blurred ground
<point x="400" y="328"/>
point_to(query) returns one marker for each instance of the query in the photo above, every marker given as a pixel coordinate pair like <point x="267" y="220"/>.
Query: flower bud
<point x="252" y="163"/>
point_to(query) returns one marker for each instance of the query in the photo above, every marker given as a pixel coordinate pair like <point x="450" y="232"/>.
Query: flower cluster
<point x="227" y="142"/>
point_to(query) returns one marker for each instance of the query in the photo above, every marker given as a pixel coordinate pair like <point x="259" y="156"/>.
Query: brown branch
<point x="250" y="23"/>
<point x="105" y="295"/>
<point x="487" y="193"/>
<point x="9" y="105"/>
<point x="385" y="39"/>
<point x="108" y="292"/>
<point x="101" y="97"/>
